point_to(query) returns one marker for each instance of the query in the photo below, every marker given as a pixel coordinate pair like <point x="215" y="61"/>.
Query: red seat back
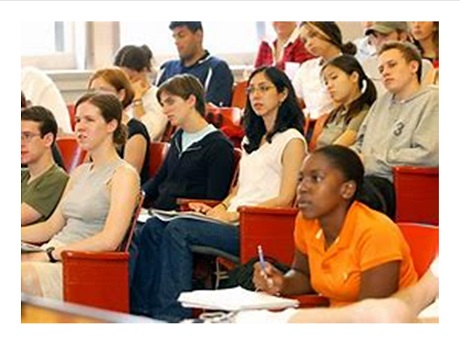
<point x="417" y="194"/>
<point x="158" y="152"/>
<point x="71" y="153"/>
<point x="423" y="240"/>
<point x="239" y="94"/>
<point x="71" y="110"/>
<point x="317" y="129"/>
<point x="272" y="228"/>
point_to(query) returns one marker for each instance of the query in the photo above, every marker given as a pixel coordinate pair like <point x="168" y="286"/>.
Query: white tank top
<point x="261" y="171"/>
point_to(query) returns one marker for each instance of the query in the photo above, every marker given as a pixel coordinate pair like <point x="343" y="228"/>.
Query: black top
<point x="136" y="127"/>
<point x="203" y="171"/>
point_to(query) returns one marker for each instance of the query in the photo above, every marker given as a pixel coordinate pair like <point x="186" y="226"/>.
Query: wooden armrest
<point x="183" y="202"/>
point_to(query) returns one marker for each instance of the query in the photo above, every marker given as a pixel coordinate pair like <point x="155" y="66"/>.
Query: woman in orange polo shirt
<point x="345" y="251"/>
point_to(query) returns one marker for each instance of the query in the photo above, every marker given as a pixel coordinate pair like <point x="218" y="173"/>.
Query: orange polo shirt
<point x="367" y="239"/>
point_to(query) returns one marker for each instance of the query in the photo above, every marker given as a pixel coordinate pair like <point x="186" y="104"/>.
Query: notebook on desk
<point x="234" y="299"/>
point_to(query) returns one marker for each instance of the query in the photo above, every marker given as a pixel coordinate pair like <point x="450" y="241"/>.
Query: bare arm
<point x="43" y="231"/>
<point x="347" y="138"/>
<point x="28" y="214"/>
<point x="403" y="306"/>
<point x="292" y="159"/>
<point x="380" y="281"/>
<point x="134" y="151"/>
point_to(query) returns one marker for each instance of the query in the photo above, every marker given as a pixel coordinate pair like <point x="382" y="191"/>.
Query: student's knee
<point x="177" y="230"/>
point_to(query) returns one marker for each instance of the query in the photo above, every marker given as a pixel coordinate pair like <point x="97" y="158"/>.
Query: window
<point x="224" y="39"/>
<point x="48" y="45"/>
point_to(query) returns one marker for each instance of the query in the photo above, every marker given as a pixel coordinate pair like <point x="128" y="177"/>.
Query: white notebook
<point x="234" y="299"/>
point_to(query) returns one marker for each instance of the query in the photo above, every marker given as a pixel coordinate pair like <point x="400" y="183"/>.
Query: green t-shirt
<point x="43" y="193"/>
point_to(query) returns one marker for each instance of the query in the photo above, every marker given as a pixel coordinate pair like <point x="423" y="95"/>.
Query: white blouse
<point x="261" y="171"/>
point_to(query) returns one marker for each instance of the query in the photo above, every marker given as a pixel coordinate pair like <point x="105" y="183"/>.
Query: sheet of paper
<point x="234" y="299"/>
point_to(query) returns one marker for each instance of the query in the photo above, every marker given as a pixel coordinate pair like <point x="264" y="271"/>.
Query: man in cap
<point x="384" y="32"/>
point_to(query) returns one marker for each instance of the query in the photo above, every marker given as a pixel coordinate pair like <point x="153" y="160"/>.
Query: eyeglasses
<point x="28" y="136"/>
<point x="263" y="89"/>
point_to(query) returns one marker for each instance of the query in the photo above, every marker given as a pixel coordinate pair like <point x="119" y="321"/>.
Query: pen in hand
<point x="263" y="265"/>
<point x="261" y="259"/>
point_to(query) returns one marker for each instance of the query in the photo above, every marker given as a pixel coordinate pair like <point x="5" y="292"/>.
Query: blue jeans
<point x="164" y="264"/>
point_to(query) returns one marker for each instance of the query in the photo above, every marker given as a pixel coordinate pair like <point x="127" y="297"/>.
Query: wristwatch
<point x="49" y="253"/>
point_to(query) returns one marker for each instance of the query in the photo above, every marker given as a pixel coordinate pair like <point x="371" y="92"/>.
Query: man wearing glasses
<point x="43" y="181"/>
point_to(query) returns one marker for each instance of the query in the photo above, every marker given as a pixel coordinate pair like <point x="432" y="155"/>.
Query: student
<point x="288" y="47"/>
<point x="402" y="126"/>
<point x="200" y="160"/>
<point x="25" y="103"/>
<point x="97" y="205"/>
<point x="353" y="93"/>
<point x="324" y="41"/>
<point x="339" y="252"/>
<point x="383" y="32"/>
<point x="136" y="150"/>
<point x="213" y="73"/>
<point x="136" y="62"/>
<point x="426" y="38"/>
<point x="42" y="181"/>
<point x="273" y="150"/>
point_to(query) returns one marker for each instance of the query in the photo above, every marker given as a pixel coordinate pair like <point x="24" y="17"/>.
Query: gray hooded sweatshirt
<point x="400" y="133"/>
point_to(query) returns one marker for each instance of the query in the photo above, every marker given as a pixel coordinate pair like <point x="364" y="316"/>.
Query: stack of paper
<point x="234" y="299"/>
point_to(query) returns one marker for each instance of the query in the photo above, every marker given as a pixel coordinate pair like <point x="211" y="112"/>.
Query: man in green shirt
<point x="42" y="182"/>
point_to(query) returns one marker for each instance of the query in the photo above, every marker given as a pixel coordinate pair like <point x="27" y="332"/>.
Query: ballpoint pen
<point x="264" y="266"/>
<point x="261" y="258"/>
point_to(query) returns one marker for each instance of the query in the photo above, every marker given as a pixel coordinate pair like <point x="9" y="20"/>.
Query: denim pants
<point x="164" y="264"/>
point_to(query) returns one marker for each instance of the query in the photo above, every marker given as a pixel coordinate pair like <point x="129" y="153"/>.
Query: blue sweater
<point x="213" y="73"/>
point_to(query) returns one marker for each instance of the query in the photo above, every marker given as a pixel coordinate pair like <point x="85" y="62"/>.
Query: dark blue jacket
<point x="203" y="171"/>
<point x="213" y="73"/>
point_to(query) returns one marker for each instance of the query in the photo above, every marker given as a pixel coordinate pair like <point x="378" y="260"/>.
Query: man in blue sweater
<point x="213" y="73"/>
